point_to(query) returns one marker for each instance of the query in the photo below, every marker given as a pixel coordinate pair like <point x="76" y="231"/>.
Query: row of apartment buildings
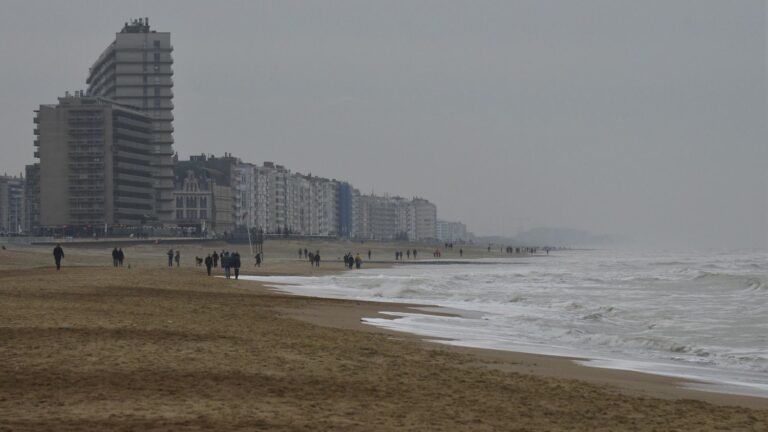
<point x="106" y="159"/>
<point x="271" y="198"/>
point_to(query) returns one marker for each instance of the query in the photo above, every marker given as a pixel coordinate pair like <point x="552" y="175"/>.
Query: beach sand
<point x="150" y="348"/>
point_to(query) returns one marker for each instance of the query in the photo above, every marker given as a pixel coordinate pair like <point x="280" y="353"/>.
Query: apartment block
<point x="96" y="163"/>
<point x="136" y="70"/>
<point x="12" y="211"/>
<point x="31" y="197"/>
<point x="451" y="231"/>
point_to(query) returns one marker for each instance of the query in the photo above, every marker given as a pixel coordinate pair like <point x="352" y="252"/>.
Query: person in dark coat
<point x="58" y="254"/>
<point x="236" y="263"/>
<point x="114" y="257"/>
<point x="226" y="263"/>
<point x="208" y="264"/>
<point x="358" y="261"/>
<point x="317" y="259"/>
<point x="258" y="260"/>
<point x="177" y="257"/>
<point x="170" y="257"/>
<point x="215" y="257"/>
<point x="120" y="257"/>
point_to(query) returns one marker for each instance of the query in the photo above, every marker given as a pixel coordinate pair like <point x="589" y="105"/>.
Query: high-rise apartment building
<point x="96" y="163"/>
<point x="136" y="70"/>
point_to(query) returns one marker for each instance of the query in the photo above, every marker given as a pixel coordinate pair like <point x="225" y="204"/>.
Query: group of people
<point x="174" y="257"/>
<point x="312" y="257"/>
<point x="353" y="261"/>
<point x="117" y="257"/>
<point x="399" y="254"/>
<point x="230" y="262"/>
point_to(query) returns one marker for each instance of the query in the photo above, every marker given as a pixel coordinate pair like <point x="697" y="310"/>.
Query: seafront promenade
<point x="146" y="347"/>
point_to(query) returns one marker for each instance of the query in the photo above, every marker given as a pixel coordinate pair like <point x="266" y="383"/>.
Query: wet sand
<point x="151" y="348"/>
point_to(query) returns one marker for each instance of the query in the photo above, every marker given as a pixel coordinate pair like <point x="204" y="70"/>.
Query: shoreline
<point x="633" y="382"/>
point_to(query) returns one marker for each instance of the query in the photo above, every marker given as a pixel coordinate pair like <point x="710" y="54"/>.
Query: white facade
<point x="394" y="218"/>
<point x="451" y="231"/>
<point x="272" y="198"/>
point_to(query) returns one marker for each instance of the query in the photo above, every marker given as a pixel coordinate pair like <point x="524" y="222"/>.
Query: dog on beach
<point x="199" y="261"/>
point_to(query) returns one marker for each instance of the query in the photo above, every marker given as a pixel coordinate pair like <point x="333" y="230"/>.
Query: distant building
<point x="31" y="197"/>
<point x="425" y="214"/>
<point x="96" y="164"/>
<point x="394" y="218"/>
<point x="203" y="193"/>
<point x="452" y="231"/>
<point x="12" y="212"/>
<point x="136" y="70"/>
<point x="277" y="201"/>
<point x="346" y="204"/>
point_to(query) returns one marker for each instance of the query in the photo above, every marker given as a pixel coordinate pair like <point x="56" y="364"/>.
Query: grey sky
<point x="644" y="118"/>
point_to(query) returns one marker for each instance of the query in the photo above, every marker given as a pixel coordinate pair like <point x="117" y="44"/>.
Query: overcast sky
<point x="641" y="118"/>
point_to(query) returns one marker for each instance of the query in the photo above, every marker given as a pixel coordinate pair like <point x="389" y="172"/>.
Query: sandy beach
<point x="98" y="348"/>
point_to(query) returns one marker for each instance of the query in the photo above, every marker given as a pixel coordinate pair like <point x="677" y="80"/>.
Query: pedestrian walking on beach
<point x="369" y="254"/>
<point x="215" y="257"/>
<point x="120" y="257"/>
<point x="408" y="253"/>
<point x="114" y="257"/>
<point x="461" y="252"/>
<point x="58" y="254"/>
<point x="226" y="263"/>
<point x="177" y="257"/>
<point x="299" y="253"/>
<point x="358" y="261"/>
<point x="236" y="263"/>
<point x="414" y="254"/>
<point x="208" y="264"/>
<point x="258" y="260"/>
<point x="317" y="259"/>
<point x="170" y="257"/>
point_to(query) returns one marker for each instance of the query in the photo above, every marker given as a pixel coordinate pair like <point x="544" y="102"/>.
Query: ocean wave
<point x="734" y="280"/>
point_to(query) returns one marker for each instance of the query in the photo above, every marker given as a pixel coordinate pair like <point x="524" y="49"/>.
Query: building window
<point x="156" y="44"/>
<point x="191" y="214"/>
<point x="157" y="57"/>
<point x="157" y="79"/>
<point x="157" y="91"/>
<point x="144" y="79"/>
<point x="179" y="214"/>
<point x="157" y="102"/>
<point x="179" y="202"/>
<point x="203" y="202"/>
<point x="203" y="214"/>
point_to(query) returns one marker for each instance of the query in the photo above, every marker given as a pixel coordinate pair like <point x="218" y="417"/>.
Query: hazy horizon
<point x="641" y="119"/>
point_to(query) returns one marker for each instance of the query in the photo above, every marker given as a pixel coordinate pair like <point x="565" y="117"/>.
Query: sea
<point x="698" y="315"/>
